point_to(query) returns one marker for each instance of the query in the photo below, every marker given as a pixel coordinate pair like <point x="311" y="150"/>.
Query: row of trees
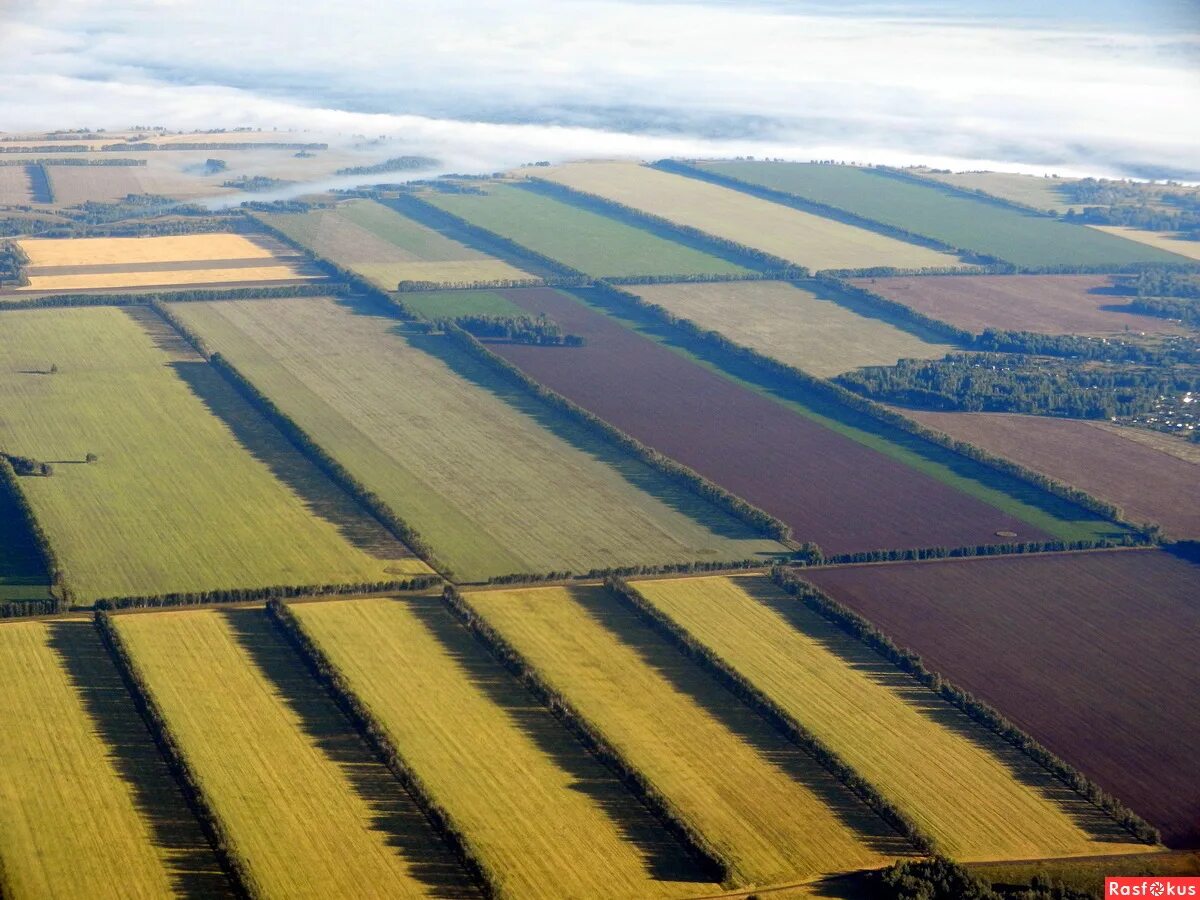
<point x="376" y="735"/>
<point x="150" y="298"/>
<point x="944" y="879"/>
<point x="273" y="592"/>
<point x="517" y="329"/>
<point x="589" y="735"/>
<point x="193" y="790"/>
<point x="752" y="696"/>
<point x="858" y="627"/>
<point x="396" y="164"/>
<point x="1015" y="548"/>
<point x="60" y="592"/>
<point x="707" y="565"/>
<point x="112" y="161"/>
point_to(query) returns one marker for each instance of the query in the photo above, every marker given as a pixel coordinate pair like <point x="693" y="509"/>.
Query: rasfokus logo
<point x="1151" y="886"/>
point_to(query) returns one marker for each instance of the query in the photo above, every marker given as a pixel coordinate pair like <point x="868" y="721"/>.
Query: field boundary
<point x="909" y="662"/>
<point x="373" y="731"/>
<point x="225" y="848"/>
<point x="773" y="713"/>
<point x="10" y="484"/>
<point x="125" y="297"/>
<point x="587" y="734"/>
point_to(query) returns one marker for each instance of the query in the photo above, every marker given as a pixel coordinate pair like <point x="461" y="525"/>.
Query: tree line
<point x="909" y="554"/>
<point x="943" y="879"/>
<point x="218" y="596"/>
<point x="116" y="161"/>
<point x="61" y="595"/>
<point x="592" y="738"/>
<point x="214" y="829"/>
<point x="396" y="164"/>
<point x="706" y="565"/>
<point x="538" y="329"/>
<point x="378" y="739"/>
<point x="149" y="298"/>
<point x="909" y="662"/>
<point x="745" y="690"/>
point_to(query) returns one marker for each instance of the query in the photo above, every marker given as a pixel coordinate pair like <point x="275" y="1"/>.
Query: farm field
<point x="978" y="797"/>
<point x="806" y="325"/>
<point x="386" y="247"/>
<point x="22" y="575"/>
<point x="198" y="248"/>
<point x="73" y="185"/>
<point x="16" y="189"/>
<point x="538" y="811"/>
<point x="1047" y="304"/>
<point x="799" y="237"/>
<point x="87" y="807"/>
<point x="231" y="276"/>
<point x="1158" y="239"/>
<point x="586" y="241"/>
<point x="493" y="479"/>
<point x="1059" y="643"/>
<point x="835" y="477"/>
<point x="769" y="809"/>
<point x="1030" y="190"/>
<point x="192" y="490"/>
<point x="308" y="810"/>
<point x="451" y="304"/>
<point x="1148" y="484"/>
<point x="1026" y="240"/>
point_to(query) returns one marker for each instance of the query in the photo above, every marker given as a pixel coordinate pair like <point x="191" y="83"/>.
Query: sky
<point x="1098" y="87"/>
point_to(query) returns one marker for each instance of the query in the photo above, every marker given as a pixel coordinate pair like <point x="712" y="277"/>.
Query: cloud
<point x="501" y="83"/>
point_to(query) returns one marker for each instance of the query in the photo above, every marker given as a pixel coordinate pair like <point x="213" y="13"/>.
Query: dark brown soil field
<point x="830" y="489"/>
<point x="1049" y="304"/>
<point x="1092" y="653"/>
<point x="1148" y="484"/>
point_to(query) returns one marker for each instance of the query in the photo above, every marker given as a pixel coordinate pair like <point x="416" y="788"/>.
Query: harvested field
<point x="1024" y="239"/>
<point x="771" y="811"/>
<point x="541" y="814"/>
<point x="494" y="480"/>
<point x="87" y="806"/>
<point x="799" y="237"/>
<point x="837" y="478"/>
<point x="591" y="243"/>
<point x="73" y="185"/>
<point x="976" y="795"/>
<point x="1148" y="484"/>
<point x="1030" y="190"/>
<point x="1092" y="653"/>
<point x="1161" y="240"/>
<point x="1048" y="304"/>
<point x="235" y="276"/>
<point x="16" y="188"/>
<point x="139" y="250"/>
<point x="308" y="809"/>
<point x="191" y="489"/>
<point x="386" y="247"/>
<point x="807" y="325"/>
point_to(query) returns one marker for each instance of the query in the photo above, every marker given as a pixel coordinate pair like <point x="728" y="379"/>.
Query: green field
<point x="22" y="574"/>
<point x="452" y="304"/>
<point x="976" y="795"/>
<point x="192" y="490"/>
<point x="808" y="325"/>
<point x="1028" y="190"/>
<point x="87" y="806"/>
<point x="767" y="808"/>
<point x="587" y="241"/>
<point x="542" y="815"/>
<point x="1025" y="240"/>
<point x="386" y="247"/>
<point x="496" y="481"/>
<point x="306" y="807"/>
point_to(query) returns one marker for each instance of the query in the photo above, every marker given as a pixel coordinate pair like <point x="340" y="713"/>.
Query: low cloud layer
<point x="490" y="85"/>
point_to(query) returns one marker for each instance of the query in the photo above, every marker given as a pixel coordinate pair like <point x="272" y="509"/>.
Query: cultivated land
<point x="1048" y="304"/>
<point x="1148" y="484"/>
<point x="15" y="186"/>
<point x="808" y="325"/>
<point x="494" y="480"/>
<point x="799" y="237"/>
<point x="1092" y="653"/>
<point x="977" y="796"/>
<point x="386" y="247"/>
<point x="306" y="807"/>
<point x="1161" y="240"/>
<point x="839" y="479"/>
<point x="768" y="808"/>
<point x="22" y="574"/>
<point x="1024" y="239"/>
<point x="139" y="250"/>
<point x="240" y="275"/>
<point x="451" y="304"/>
<point x="87" y="807"/>
<point x="541" y="814"/>
<point x="192" y="489"/>
<point x="587" y="241"/>
<point x="1029" y="190"/>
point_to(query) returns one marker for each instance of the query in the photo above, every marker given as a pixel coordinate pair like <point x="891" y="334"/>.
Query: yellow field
<point x="1161" y="240"/>
<point x="978" y="797"/>
<point x="72" y="823"/>
<point x="1030" y="190"/>
<point x="765" y="806"/>
<point x="306" y="807"/>
<point x="799" y="237"/>
<point x="130" y="251"/>
<point x="794" y="325"/>
<point x="540" y="813"/>
<point x="172" y="278"/>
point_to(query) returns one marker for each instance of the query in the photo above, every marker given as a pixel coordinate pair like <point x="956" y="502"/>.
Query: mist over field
<point x="1086" y="88"/>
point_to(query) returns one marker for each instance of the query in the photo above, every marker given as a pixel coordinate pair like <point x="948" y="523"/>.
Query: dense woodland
<point x="1149" y="206"/>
